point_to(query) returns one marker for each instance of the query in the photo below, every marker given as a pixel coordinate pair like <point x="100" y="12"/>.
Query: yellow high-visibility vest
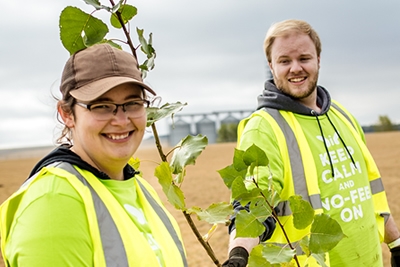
<point x="113" y="233"/>
<point x="300" y="173"/>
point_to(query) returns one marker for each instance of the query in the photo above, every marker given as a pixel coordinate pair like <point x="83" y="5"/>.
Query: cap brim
<point x="93" y="90"/>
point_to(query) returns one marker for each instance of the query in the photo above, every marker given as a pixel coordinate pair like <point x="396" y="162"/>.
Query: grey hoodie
<point x="274" y="98"/>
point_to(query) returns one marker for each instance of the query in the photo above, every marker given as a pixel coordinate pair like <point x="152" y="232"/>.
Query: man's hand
<point x="238" y="258"/>
<point x="395" y="258"/>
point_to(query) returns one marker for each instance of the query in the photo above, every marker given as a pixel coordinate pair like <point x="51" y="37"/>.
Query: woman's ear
<point x="66" y="114"/>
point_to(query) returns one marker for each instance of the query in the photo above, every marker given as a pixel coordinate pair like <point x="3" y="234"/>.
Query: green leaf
<point x="303" y="213"/>
<point x="256" y="258"/>
<point x="149" y="49"/>
<point x="238" y="162"/>
<point x="320" y="259"/>
<point x="112" y="44"/>
<point x="74" y="23"/>
<point x="270" y="255"/>
<point x="95" y="3"/>
<point x="116" y="6"/>
<point x="272" y="196"/>
<point x="178" y="179"/>
<point x="255" y="156"/>
<point x="248" y="224"/>
<point x="135" y="163"/>
<point x="260" y="209"/>
<point x="229" y="174"/>
<point x="238" y="188"/>
<point x="305" y="245"/>
<point x="148" y="64"/>
<point x="276" y="255"/>
<point x="189" y="149"/>
<point x="174" y="194"/>
<point x="325" y="234"/>
<point x="127" y="13"/>
<point x="249" y="196"/>
<point x="146" y="46"/>
<point x="155" y="114"/>
<point x="215" y="213"/>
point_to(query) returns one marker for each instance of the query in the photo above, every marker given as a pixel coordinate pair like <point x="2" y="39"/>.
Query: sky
<point x="209" y="55"/>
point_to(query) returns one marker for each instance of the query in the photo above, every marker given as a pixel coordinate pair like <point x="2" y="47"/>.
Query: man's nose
<point x="296" y="66"/>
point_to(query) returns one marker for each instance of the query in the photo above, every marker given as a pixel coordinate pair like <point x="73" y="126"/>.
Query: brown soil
<point x="203" y="186"/>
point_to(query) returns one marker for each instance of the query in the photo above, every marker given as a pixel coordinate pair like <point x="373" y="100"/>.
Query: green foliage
<point x="241" y="178"/>
<point x="303" y="213"/>
<point x="384" y="124"/>
<point x="215" y="213"/>
<point x="173" y="192"/>
<point x="229" y="174"/>
<point x="148" y="50"/>
<point x="127" y="13"/>
<point x="325" y="234"/>
<point x="79" y="30"/>
<point x="188" y="150"/>
<point x="270" y="255"/>
<point x="254" y="157"/>
<point x="249" y="224"/>
<point x="227" y="133"/>
<point x="155" y="114"/>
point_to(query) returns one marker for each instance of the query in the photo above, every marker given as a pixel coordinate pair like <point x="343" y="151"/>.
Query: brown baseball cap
<point x="91" y="72"/>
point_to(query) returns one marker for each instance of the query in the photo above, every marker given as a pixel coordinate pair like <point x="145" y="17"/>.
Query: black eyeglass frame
<point x="145" y="102"/>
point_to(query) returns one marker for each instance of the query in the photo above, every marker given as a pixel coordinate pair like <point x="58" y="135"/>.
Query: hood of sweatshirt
<point x="63" y="153"/>
<point x="274" y="98"/>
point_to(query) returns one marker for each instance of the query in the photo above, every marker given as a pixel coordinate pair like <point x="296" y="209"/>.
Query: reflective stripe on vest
<point x="113" y="247"/>
<point x="296" y="163"/>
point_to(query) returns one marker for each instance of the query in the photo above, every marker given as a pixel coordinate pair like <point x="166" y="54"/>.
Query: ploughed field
<point x="203" y="186"/>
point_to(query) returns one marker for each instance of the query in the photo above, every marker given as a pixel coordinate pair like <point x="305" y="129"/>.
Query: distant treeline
<point x="384" y="125"/>
<point x="379" y="128"/>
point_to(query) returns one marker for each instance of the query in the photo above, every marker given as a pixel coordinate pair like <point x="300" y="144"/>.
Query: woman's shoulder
<point x="48" y="184"/>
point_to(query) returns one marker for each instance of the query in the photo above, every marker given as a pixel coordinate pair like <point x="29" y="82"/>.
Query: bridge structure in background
<point x="206" y="124"/>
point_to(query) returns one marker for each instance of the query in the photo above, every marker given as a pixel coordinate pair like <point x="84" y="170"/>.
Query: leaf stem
<point x="158" y="143"/>
<point x="205" y="244"/>
<point x="275" y="215"/>
<point x="128" y="37"/>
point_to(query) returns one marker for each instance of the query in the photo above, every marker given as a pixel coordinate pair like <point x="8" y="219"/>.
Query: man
<point x="326" y="162"/>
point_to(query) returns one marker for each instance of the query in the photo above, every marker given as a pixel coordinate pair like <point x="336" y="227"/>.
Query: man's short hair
<point x="286" y="27"/>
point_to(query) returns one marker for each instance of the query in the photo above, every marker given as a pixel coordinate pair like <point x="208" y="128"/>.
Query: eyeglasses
<point x="103" y="111"/>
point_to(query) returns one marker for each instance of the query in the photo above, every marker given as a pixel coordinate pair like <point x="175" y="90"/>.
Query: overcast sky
<point x="209" y="54"/>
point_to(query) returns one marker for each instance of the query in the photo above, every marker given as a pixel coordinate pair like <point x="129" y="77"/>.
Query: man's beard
<point x="285" y="89"/>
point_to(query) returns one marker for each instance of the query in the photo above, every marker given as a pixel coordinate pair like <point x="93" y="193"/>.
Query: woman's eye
<point x="102" y="106"/>
<point x="131" y="103"/>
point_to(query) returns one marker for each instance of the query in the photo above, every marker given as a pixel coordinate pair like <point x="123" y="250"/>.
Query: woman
<point x="84" y="204"/>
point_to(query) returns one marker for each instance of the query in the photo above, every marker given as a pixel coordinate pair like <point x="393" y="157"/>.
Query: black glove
<point x="270" y="226"/>
<point x="395" y="258"/>
<point x="237" y="258"/>
<point x="269" y="223"/>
